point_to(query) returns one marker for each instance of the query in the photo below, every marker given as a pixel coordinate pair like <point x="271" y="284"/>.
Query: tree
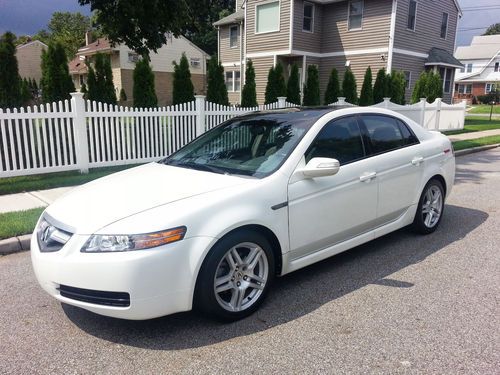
<point x="10" y="90"/>
<point x="279" y="75"/>
<point x="249" y="93"/>
<point x="380" y="88"/>
<point x="183" y="91"/>
<point x="69" y="29"/>
<point x="271" y="95"/>
<point x="84" y="91"/>
<point x="332" y="92"/>
<point x="397" y="87"/>
<point x="429" y="85"/>
<point x="293" y="86"/>
<point x="144" y="85"/>
<point x="123" y="95"/>
<point x="56" y="82"/>
<point x="493" y="29"/>
<point x="100" y="80"/>
<point x="92" y="92"/>
<point x="26" y="95"/>
<point x="216" y="86"/>
<point x="146" y="26"/>
<point x="349" y="88"/>
<point x="311" y="89"/>
<point x="366" y="97"/>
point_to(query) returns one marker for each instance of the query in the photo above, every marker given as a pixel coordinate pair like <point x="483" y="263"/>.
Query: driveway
<point x="401" y="304"/>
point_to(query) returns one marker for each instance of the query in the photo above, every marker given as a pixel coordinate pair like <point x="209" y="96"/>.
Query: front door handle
<point x="367" y="176"/>
<point x="417" y="160"/>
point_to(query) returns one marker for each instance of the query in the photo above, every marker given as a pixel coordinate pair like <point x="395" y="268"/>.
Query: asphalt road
<point x="401" y="304"/>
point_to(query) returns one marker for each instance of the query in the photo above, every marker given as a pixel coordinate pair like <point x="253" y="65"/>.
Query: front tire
<point x="430" y="208"/>
<point x="235" y="276"/>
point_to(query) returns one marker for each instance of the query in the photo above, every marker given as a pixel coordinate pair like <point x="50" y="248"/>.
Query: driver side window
<point x="339" y="139"/>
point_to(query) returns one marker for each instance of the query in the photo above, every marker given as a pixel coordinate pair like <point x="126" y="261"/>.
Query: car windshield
<point x="253" y="145"/>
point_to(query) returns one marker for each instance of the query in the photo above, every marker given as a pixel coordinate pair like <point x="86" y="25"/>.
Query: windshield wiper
<point x="199" y="167"/>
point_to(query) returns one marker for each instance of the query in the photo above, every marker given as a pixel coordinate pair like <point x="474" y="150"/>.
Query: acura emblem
<point x="47" y="232"/>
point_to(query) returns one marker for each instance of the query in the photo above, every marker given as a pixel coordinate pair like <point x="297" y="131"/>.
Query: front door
<point x="325" y="211"/>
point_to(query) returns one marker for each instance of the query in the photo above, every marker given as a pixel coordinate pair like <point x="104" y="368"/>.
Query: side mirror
<point x="320" y="167"/>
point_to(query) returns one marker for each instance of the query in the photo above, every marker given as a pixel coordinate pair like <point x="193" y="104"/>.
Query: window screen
<point x="308" y="17"/>
<point x="355" y="14"/>
<point x="412" y="15"/>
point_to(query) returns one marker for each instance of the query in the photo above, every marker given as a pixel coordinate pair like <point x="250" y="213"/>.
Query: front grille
<point x="50" y="238"/>
<point x="98" y="297"/>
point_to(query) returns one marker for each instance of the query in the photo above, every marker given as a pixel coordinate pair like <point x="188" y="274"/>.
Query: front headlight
<point x="103" y="243"/>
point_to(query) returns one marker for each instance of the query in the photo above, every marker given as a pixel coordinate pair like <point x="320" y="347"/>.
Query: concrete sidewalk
<point x="32" y="199"/>
<point x="474" y="135"/>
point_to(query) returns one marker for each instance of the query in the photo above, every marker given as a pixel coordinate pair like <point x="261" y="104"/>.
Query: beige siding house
<point x="403" y="35"/>
<point x="29" y="59"/>
<point x="123" y="63"/>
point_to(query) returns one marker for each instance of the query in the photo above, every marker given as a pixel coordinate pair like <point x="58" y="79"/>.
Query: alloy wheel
<point x="432" y="206"/>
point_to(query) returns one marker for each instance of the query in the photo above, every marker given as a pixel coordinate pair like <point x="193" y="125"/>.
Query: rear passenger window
<point x="339" y="139"/>
<point x="409" y="137"/>
<point x="384" y="132"/>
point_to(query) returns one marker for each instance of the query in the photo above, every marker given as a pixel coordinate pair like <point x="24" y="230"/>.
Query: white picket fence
<point x="75" y="134"/>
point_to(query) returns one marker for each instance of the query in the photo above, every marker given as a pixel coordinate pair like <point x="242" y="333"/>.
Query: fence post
<point x="438" y="112"/>
<point x="386" y="102"/>
<point x="80" y="132"/>
<point x="341" y="100"/>
<point x="200" y="114"/>
<point x="281" y="101"/>
<point x="423" y="102"/>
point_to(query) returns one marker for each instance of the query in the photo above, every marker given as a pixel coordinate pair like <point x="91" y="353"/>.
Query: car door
<point x="400" y="163"/>
<point x="328" y="210"/>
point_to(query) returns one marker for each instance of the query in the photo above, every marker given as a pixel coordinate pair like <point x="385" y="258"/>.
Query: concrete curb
<point x="15" y="244"/>
<point x="472" y="150"/>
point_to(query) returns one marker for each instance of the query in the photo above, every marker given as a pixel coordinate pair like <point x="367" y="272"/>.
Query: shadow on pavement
<point x="464" y="174"/>
<point x="292" y="296"/>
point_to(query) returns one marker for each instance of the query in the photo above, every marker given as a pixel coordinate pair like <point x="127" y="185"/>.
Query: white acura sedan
<point x="259" y="196"/>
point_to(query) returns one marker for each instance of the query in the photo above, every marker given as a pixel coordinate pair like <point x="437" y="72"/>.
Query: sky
<point x="26" y="17"/>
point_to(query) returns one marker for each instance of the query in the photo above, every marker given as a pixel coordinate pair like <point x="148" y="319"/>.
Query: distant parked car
<point x="259" y="196"/>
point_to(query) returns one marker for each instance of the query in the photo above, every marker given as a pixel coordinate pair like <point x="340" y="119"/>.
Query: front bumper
<point x="160" y="281"/>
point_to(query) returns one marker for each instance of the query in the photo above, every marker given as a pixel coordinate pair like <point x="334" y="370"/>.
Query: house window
<point x="489" y="88"/>
<point x="497" y="67"/>
<point x="268" y="17"/>
<point x="444" y="25"/>
<point x="412" y="15"/>
<point x="308" y="24"/>
<point x="407" y="79"/>
<point x="133" y="57"/>
<point x="446" y="74"/>
<point x="469" y="68"/>
<point x="355" y="18"/>
<point x="233" y="36"/>
<point x="233" y="81"/>
<point x="464" y="89"/>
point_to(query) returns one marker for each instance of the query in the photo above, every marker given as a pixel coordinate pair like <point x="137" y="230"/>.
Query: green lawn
<point x="476" y="124"/>
<point x="12" y="185"/>
<point x="483" y="108"/>
<point x="462" y="145"/>
<point x="20" y="222"/>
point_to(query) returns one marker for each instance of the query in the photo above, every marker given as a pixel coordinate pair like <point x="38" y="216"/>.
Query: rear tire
<point x="235" y="276"/>
<point x="430" y="208"/>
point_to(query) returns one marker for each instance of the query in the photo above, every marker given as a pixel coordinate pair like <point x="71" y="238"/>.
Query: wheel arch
<point x="441" y="179"/>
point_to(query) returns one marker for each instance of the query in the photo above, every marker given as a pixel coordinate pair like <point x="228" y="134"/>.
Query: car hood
<point x="96" y="204"/>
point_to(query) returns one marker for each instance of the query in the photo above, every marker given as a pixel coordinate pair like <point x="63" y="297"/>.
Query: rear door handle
<point x="417" y="160"/>
<point x="367" y="176"/>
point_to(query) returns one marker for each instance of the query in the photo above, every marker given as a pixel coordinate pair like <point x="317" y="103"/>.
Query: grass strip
<point x="485" y="141"/>
<point x="11" y="185"/>
<point x="16" y="223"/>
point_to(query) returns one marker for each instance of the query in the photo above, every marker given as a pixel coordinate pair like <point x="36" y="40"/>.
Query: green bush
<point x="349" y="88"/>
<point x="311" y="89"/>
<point x="123" y="95"/>
<point x="216" y="86"/>
<point x="56" y="82"/>
<point x="101" y="87"/>
<point x="10" y="89"/>
<point x="397" y="87"/>
<point x="429" y="85"/>
<point x="380" y="88"/>
<point x="293" y="86"/>
<point x="249" y="93"/>
<point x="183" y="89"/>
<point x="333" y="92"/>
<point x="366" y="97"/>
<point x="144" y="85"/>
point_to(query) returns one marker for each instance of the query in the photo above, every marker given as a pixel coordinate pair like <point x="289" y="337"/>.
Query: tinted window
<point x="408" y="136"/>
<point x="339" y="139"/>
<point x="384" y="133"/>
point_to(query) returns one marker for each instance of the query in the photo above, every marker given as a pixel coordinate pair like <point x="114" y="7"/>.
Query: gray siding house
<point x="403" y="35"/>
